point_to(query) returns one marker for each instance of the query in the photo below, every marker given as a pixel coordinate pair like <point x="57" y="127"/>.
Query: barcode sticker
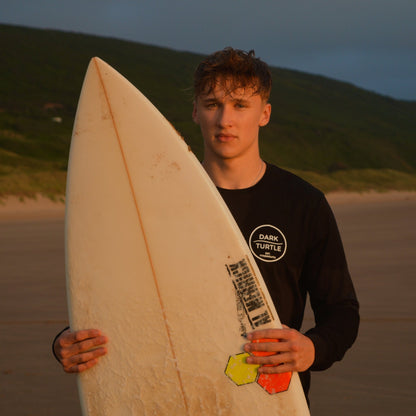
<point x="252" y="308"/>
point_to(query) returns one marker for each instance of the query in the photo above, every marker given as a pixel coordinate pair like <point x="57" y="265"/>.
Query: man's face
<point x="230" y="121"/>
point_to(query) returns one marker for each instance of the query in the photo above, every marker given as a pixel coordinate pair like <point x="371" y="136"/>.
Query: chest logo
<point x="268" y="243"/>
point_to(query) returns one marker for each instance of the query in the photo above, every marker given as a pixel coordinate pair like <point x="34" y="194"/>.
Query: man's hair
<point x="233" y="68"/>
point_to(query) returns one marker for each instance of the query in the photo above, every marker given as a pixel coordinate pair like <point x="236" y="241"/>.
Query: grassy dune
<point x="337" y="136"/>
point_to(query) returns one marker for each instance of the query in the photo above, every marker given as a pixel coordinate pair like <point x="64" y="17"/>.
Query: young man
<point x="232" y="89"/>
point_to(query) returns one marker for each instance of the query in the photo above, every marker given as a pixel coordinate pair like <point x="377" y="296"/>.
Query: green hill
<point x="332" y="133"/>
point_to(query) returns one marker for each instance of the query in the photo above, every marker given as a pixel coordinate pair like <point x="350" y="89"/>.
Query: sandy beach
<point x="14" y="208"/>
<point x="375" y="378"/>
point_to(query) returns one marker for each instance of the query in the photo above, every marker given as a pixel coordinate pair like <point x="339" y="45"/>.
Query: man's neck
<point x="235" y="174"/>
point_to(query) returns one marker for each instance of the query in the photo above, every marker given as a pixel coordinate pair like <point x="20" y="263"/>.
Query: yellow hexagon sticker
<point x="239" y="371"/>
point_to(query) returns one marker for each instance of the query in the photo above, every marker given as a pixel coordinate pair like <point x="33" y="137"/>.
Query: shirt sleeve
<point x="332" y="295"/>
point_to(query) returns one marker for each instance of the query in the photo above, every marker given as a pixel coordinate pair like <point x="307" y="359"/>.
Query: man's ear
<point x="195" y="117"/>
<point x="265" y="117"/>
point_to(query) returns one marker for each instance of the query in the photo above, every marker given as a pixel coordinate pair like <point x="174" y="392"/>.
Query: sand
<point x="341" y="198"/>
<point x="14" y="208"/>
<point x="375" y="377"/>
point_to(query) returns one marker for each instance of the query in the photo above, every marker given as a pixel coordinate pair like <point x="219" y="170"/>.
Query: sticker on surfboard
<point x="252" y="308"/>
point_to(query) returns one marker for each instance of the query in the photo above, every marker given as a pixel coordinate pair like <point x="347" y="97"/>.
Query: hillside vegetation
<point x="332" y="133"/>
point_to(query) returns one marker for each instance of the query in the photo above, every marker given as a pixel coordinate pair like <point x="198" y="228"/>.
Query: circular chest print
<point x="267" y="243"/>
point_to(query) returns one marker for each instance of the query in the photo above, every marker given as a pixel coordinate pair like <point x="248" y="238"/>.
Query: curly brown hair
<point x="233" y="68"/>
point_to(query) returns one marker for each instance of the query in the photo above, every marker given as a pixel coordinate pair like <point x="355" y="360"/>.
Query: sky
<point x="369" y="43"/>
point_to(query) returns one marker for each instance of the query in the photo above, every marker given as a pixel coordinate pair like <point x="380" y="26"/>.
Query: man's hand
<point x="293" y="351"/>
<point x="77" y="351"/>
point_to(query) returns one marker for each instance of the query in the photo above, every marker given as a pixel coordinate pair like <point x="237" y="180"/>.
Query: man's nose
<point x="225" y="116"/>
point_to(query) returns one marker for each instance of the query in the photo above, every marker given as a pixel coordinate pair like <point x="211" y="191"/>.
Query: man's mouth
<point x="225" y="137"/>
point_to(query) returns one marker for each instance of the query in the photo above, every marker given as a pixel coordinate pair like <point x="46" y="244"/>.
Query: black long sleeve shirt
<point x="294" y="238"/>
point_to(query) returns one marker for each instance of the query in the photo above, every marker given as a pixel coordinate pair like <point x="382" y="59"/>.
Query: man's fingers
<point x="265" y="345"/>
<point x="272" y="364"/>
<point x="81" y="341"/>
<point x="79" y="336"/>
<point x="272" y="333"/>
<point x="79" y="368"/>
<point x="270" y="359"/>
<point x="276" y="369"/>
<point x="87" y="345"/>
<point x="72" y="344"/>
<point x="84" y="357"/>
<point x="81" y="362"/>
<point x="82" y="347"/>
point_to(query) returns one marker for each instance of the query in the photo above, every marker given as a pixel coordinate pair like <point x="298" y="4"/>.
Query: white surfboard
<point x="155" y="260"/>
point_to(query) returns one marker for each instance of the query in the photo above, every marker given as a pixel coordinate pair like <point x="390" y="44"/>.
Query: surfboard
<point x="156" y="261"/>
